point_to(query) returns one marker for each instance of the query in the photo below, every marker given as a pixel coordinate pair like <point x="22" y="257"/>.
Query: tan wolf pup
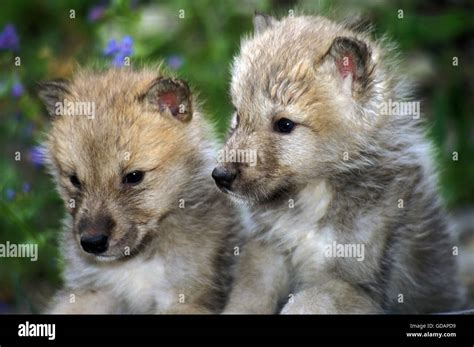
<point x="146" y="232"/>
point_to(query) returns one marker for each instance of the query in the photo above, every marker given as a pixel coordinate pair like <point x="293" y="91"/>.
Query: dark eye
<point x="284" y="125"/>
<point x="75" y="181"/>
<point x="133" y="177"/>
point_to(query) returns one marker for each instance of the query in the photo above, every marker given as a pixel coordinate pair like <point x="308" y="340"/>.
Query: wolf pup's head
<point x="120" y="149"/>
<point x="305" y="92"/>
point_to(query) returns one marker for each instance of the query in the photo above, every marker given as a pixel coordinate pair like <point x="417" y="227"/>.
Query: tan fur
<point x="170" y="247"/>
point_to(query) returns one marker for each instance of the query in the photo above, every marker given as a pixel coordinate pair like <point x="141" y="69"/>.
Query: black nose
<point x="94" y="244"/>
<point x="223" y="177"/>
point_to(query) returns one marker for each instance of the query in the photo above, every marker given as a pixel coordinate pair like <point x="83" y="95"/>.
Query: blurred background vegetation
<point x="198" y="39"/>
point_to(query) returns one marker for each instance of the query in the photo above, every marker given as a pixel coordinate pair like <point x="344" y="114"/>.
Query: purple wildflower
<point x="96" y="13"/>
<point x="111" y="48"/>
<point x="10" y="194"/>
<point x="119" y="59"/>
<point x="126" y="45"/>
<point x="36" y="155"/>
<point x="17" y="90"/>
<point x="175" y="61"/>
<point x="9" y="38"/>
<point x="119" y="51"/>
<point x="25" y="187"/>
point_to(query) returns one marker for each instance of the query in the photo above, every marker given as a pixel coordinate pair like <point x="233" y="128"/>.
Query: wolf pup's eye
<point x="284" y="125"/>
<point x="133" y="178"/>
<point x="75" y="181"/>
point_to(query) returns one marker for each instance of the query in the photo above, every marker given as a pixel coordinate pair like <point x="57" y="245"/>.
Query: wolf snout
<point x="224" y="177"/>
<point x="95" y="233"/>
<point x="96" y="244"/>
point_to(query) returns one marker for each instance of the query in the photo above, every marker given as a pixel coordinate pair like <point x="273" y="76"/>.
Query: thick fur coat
<point x="334" y="169"/>
<point x="169" y="236"/>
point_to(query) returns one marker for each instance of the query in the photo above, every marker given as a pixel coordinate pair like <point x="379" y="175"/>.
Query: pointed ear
<point x="352" y="61"/>
<point x="262" y="22"/>
<point x="52" y="92"/>
<point x="172" y="96"/>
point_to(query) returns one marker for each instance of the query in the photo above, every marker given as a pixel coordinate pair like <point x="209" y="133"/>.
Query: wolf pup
<point x="344" y="197"/>
<point x="147" y="231"/>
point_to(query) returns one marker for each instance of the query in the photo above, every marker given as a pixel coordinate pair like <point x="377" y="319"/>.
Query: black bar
<point x="88" y="329"/>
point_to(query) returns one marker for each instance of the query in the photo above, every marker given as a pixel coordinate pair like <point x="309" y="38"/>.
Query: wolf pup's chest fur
<point x="141" y="285"/>
<point x="303" y="230"/>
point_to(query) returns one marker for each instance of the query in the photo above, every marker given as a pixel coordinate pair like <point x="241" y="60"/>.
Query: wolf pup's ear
<point x="52" y="92"/>
<point x="352" y="61"/>
<point x="262" y="22"/>
<point x="173" y="96"/>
